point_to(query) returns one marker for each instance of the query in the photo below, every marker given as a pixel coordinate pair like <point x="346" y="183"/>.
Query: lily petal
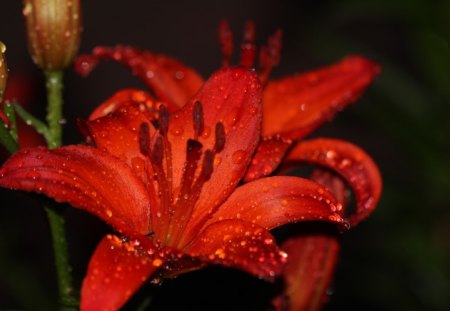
<point x="268" y="155"/>
<point x="123" y="97"/>
<point x="313" y="254"/>
<point x="274" y="201"/>
<point x="231" y="96"/>
<point x="83" y="177"/>
<point x="309" y="271"/>
<point x="349" y="161"/>
<point x="116" y="271"/>
<point x="118" y="134"/>
<point x="239" y="244"/>
<point x="296" y="105"/>
<point x="172" y="82"/>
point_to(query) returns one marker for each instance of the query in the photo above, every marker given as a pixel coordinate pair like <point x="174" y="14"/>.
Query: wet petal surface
<point x="232" y="97"/>
<point x="268" y="156"/>
<point x="239" y="244"/>
<point x="85" y="178"/>
<point x="116" y="271"/>
<point x="274" y="201"/>
<point x="349" y="161"/>
<point x="171" y="81"/>
<point x="295" y="106"/>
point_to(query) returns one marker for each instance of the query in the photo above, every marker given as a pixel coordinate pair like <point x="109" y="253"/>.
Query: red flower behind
<point x="184" y="184"/>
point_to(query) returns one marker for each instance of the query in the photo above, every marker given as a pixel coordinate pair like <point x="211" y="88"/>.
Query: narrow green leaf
<point x="6" y="139"/>
<point x="8" y="109"/>
<point x="31" y="120"/>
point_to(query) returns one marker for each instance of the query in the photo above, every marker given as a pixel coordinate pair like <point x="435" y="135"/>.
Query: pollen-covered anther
<point x="269" y="55"/>
<point x="220" y="137"/>
<point x="163" y="120"/>
<point x="226" y="42"/>
<point x="144" y="139"/>
<point x="248" y="46"/>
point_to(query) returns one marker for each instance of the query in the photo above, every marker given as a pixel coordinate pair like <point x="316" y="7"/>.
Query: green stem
<point x="54" y="83"/>
<point x="65" y="282"/>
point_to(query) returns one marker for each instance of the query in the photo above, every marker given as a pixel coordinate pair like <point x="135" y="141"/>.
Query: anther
<point x="270" y="55"/>
<point x="207" y="165"/>
<point x="144" y="139"/>
<point x="157" y="151"/>
<point x="220" y="137"/>
<point x="163" y="120"/>
<point x="226" y="42"/>
<point x="198" y="119"/>
<point x="248" y="47"/>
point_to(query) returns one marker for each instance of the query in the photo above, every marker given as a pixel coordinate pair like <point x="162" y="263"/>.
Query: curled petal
<point x="268" y="155"/>
<point x="86" y="178"/>
<point x="232" y="97"/>
<point x="171" y="81"/>
<point x="115" y="272"/>
<point x="349" y="161"/>
<point x="309" y="271"/>
<point x="239" y="244"/>
<point x="274" y="201"/>
<point x="295" y="106"/>
<point x="124" y="97"/>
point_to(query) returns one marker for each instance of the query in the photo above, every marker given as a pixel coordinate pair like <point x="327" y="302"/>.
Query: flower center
<point x="171" y="217"/>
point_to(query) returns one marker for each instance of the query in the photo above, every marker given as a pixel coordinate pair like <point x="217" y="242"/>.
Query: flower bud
<point x="53" y="30"/>
<point x="3" y="70"/>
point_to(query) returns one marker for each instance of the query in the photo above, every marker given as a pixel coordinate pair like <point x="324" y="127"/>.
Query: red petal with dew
<point x="118" y="134"/>
<point x="124" y="97"/>
<point x="171" y="81"/>
<point x="313" y="254"/>
<point x="268" y="155"/>
<point x="85" y="178"/>
<point x="274" y="201"/>
<point x="116" y="271"/>
<point x="349" y="161"/>
<point x="309" y="271"/>
<point x="295" y="106"/>
<point x="231" y="96"/>
<point x="239" y="244"/>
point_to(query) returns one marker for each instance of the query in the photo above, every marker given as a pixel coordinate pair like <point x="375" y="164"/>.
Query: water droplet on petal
<point x="238" y="156"/>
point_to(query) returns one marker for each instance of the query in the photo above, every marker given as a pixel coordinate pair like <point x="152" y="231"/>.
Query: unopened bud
<point x="53" y="30"/>
<point x="3" y="70"/>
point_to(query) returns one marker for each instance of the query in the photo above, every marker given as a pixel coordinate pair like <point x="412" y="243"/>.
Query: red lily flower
<point x="167" y="185"/>
<point x="293" y="107"/>
<point x="165" y="178"/>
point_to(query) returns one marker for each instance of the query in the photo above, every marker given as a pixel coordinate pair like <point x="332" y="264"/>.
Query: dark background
<point x="399" y="259"/>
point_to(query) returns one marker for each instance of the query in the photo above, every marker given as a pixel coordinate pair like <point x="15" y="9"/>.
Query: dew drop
<point x="238" y="156"/>
<point x="177" y="131"/>
<point x="232" y="116"/>
<point x="157" y="262"/>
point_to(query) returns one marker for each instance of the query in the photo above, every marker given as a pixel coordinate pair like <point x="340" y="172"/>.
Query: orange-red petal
<point x="171" y="81"/>
<point x="115" y="272"/>
<point x="86" y="178"/>
<point x="349" y="161"/>
<point x="268" y="155"/>
<point x="231" y="96"/>
<point x="311" y="262"/>
<point x="124" y="97"/>
<point x="274" y="201"/>
<point x="295" y="106"/>
<point x="239" y="244"/>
